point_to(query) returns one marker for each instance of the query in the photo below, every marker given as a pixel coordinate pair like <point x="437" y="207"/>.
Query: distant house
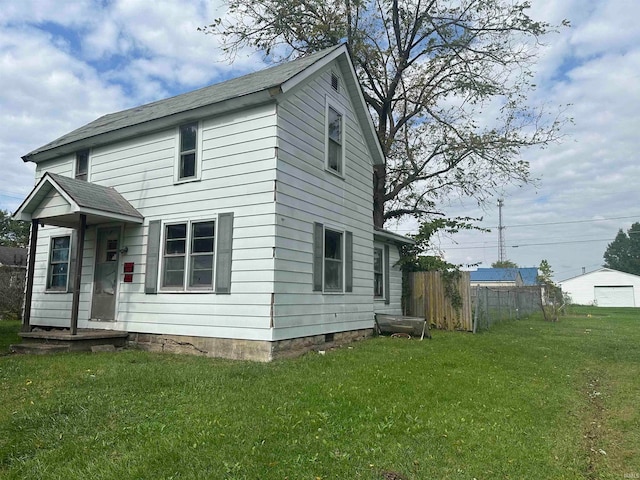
<point x="604" y="287"/>
<point x="504" y="277"/>
<point x="236" y="218"/>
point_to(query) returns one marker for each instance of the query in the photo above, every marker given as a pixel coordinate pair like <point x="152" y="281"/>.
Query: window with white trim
<point x="333" y="261"/>
<point x="59" y="258"/>
<point x="188" y="255"/>
<point x="334" y="140"/>
<point x="82" y="165"/>
<point x="188" y="161"/>
<point x="378" y="273"/>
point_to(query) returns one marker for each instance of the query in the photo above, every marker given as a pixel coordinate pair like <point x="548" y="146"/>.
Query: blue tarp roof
<point x="529" y="275"/>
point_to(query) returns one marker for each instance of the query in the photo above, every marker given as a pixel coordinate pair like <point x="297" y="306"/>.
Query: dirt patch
<point x="593" y="430"/>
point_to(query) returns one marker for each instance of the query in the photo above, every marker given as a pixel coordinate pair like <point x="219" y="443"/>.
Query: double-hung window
<point x="333" y="261"/>
<point x="82" y="165"/>
<point x="188" y="152"/>
<point x="334" y="140"/>
<point x="59" y="257"/>
<point x="188" y="255"/>
<point x="378" y="273"/>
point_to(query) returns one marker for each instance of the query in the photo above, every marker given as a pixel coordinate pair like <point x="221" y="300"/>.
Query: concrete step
<point x="38" y="348"/>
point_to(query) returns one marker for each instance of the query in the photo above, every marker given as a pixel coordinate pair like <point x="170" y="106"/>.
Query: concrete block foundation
<point x="235" y="349"/>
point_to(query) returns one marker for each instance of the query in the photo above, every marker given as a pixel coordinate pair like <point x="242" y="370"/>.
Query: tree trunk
<point x="379" y="190"/>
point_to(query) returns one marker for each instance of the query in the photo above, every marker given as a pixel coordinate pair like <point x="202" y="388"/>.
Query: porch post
<point x="78" y="275"/>
<point x="28" y="293"/>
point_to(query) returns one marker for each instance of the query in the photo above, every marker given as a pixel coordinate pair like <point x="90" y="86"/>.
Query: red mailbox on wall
<point x="128" y="272"/>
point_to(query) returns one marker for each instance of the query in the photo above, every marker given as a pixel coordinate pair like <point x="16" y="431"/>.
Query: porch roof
<point x="386" y="236"/>
<point x="58" y="200"/>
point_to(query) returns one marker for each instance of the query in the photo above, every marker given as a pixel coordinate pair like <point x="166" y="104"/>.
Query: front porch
<point x="78" y="205"/>
<point x="54" y="340"/>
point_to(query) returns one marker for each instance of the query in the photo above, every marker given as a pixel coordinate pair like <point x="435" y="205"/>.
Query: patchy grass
<point x="528" y="399"/>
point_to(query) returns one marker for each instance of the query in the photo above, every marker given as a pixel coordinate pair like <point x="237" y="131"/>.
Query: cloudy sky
<point x="63" y="64"/>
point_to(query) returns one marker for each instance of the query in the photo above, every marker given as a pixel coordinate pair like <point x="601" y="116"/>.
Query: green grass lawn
<point x="8" y="334"/>
<point x="525" y="400"/>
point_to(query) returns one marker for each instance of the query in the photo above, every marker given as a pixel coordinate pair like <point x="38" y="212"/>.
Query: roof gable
<point x="77" y="197"/>
<point x="603" y="270"/>
<point x="528" y="275"/>
<point x="248" y="90"/>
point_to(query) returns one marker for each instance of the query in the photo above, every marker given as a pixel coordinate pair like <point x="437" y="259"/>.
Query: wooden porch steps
<point x="39" y="342"/>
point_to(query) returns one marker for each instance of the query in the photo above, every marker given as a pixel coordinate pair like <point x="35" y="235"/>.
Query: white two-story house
<point x="235" y="219"/>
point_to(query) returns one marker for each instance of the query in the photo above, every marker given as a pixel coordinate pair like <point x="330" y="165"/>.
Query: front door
<point x="105" y="278"/>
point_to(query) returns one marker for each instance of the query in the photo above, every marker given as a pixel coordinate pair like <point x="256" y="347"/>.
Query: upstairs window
<point x="335" y="138"/>
<point x="82" y="165"/>
<point x="188" y="154"/>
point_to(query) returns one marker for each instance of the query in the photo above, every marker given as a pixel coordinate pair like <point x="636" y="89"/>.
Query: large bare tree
<point x="446" y="81"/>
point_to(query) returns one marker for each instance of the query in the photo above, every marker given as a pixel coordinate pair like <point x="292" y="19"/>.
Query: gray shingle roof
<point x="237" y="87"/>
<point x="95" y="197"/>
<point x="13" y="256"/>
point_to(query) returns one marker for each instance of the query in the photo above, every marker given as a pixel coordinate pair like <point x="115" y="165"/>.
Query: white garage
<point x="604" y="287"/>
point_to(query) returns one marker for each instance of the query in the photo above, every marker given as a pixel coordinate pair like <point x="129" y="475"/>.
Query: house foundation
<point x="236" y="349"/>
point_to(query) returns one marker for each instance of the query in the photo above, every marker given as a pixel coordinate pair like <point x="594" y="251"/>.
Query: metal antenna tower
<point x="501" y="254"/>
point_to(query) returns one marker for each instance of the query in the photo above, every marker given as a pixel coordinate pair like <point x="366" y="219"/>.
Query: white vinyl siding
<point x="237" y="175"/>
<point x="306" y="190"/>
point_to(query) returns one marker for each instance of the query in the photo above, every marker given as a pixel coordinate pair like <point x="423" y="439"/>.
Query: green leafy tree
<point x="623" y="253"/>
<point x="431" y="72"/>
<point x="413" y="258"/>
<point x="552" y="300"/>
<point x="504" y="264"/>
<point x="13" y="233"/>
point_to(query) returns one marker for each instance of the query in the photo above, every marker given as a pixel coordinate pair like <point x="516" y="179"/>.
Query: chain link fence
<point x="492" y="305"/>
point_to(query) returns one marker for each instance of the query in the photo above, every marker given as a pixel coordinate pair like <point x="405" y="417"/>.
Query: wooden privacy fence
<point x="427" y="299"/>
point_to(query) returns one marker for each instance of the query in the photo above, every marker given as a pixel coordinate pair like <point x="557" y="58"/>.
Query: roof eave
<point x="394" y="237"/>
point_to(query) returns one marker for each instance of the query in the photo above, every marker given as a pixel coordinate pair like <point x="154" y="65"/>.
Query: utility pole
<point x="500" y="232"/>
